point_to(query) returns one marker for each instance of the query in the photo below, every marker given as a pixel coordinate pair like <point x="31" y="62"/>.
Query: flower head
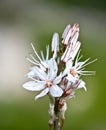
<point x="58" y="76"/>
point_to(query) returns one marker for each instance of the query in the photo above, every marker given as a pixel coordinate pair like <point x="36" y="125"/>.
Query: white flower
<point x="45" y="80"/>
<point x="75" y="70"/>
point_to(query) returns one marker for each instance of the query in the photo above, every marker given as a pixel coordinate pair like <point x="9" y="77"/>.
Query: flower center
<point x="73" y="71"/>
<point x="49" y="83"/>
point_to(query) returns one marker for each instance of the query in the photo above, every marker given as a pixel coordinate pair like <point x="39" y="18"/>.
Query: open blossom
<point x="73" y="71"/>
<point x="45" y="81"/>
<point x="77" y="69"/>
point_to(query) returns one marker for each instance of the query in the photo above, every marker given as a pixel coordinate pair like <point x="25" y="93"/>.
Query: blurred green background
<point x="26" y="21"/>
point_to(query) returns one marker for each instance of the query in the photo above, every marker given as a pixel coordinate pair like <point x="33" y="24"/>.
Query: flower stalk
<point x="56" y="111"/>
<point x="59" y="76"/>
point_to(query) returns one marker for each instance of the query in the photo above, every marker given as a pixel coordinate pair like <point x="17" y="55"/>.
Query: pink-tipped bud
<point x="66" y="34"/>
<point x="70" y="52"/>
<point x="70" y="34"/>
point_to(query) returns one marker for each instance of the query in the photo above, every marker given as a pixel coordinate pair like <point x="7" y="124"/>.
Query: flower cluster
<point x="58" y="76"/>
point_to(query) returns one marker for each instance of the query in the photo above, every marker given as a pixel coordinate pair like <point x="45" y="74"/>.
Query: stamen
<point x="32" y="61"/>
<point x="81" y="65"/>
<point x="47" y="52"/>
<point x="34" y="58"/>
<point x="38" y="81"/>
<point x="42" y="55"/>
<point x="87" y="72"/>
<point x="78" y="57"/>
<point x="35" y="52"/>
<point x="88" y="62"/>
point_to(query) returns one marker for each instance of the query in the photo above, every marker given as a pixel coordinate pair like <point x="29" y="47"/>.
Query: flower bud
<point x="66" y="34"/>
<point x="70" y="34"/>
<point x="51" y="109"/>
<point x="70" y="52"/>
<point x="62" y="111"/>
<point x="55" y="44"/>
<point x="50" y="122"/>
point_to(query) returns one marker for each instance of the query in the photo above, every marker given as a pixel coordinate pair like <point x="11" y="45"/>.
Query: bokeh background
<point x="26" y="21"/>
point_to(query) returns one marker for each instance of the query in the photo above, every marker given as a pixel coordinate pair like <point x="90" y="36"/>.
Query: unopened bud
<point x="50" y="122"/>
<point x="70" y="52"/>
<point x="66" y="34"/>
<point x="62" y="112"/>
<point x="63" y="109"/>
<point x="51" y="109"/>
<point x="55" y="44"/>
<point x="70" y="34"/>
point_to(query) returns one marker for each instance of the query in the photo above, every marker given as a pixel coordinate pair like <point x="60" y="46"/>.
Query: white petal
<point x="63" y="86"/>
<point x="33" y="86"/>
<point x="71" y="78"/>
<point x="43" y="93"/>
<point x="82" y="85"/>
<point x="52" y="71"/>
<point x="65" y="72"/>
<point x="44" y="64"/>
<point x="42" y="67"/>
<point x="69" y="64"/>
<point x="58" y="79"/>
<point x="40" y="73"/>
<point x="30" y="74"/>
<point x="56" y="91"/>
